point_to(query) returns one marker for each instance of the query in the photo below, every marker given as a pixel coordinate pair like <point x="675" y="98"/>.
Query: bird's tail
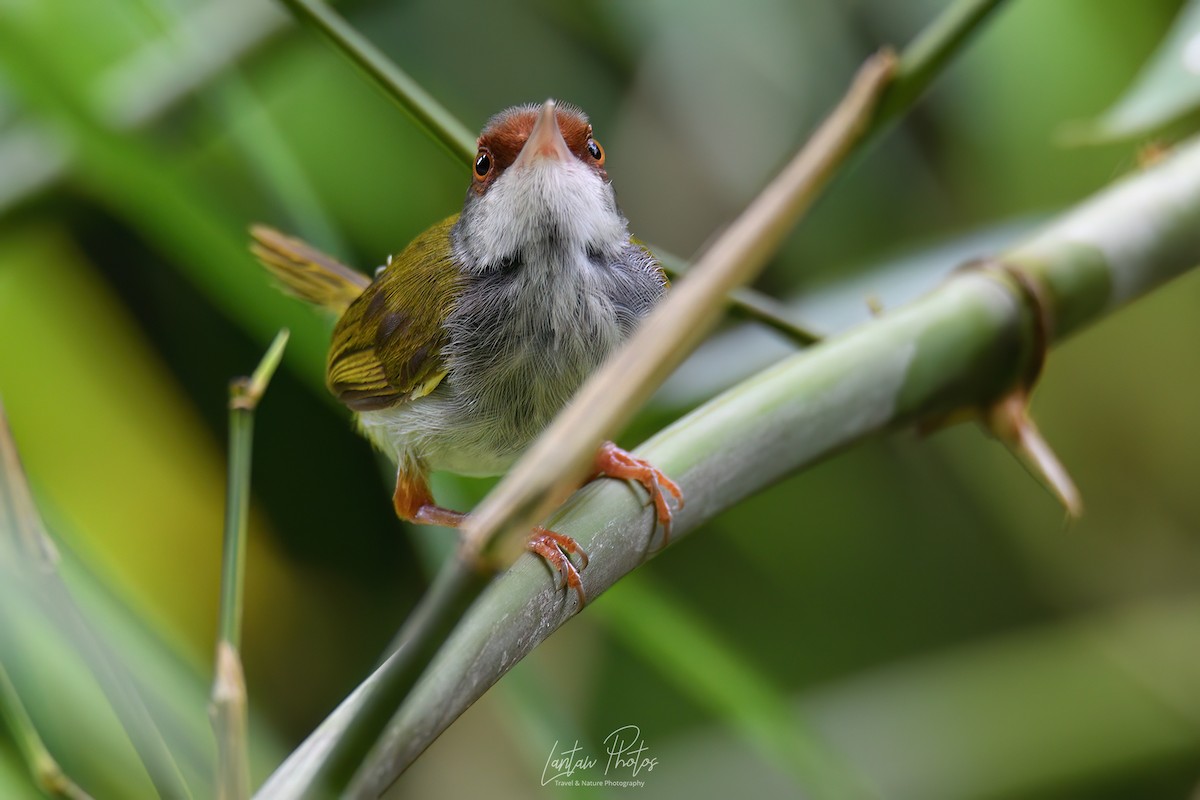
<point x="305" y="271"/>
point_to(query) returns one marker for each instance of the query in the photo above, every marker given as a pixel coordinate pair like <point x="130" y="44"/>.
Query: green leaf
<point x="1167" y="89"/>
<point x="147" y="185"/>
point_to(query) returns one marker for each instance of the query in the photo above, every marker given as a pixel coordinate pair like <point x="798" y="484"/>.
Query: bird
<point x="464" y="346"/>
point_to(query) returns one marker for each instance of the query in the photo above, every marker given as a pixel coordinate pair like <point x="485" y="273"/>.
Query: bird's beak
<point x="545" y="140"/>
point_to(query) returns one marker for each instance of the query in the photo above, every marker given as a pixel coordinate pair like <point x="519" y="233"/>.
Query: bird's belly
<point x="433" y="434"/>
<point x="521" y="344"/>
<point x="495" y="416"/>
<point x="479" y="427"/>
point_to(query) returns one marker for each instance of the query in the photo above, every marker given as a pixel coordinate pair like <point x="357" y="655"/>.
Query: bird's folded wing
<point x="388" y="346"/>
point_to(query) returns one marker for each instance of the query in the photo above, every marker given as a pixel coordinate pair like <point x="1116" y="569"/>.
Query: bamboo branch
<point x="927" y="55"/>
<point x="228" y="704"/>
<point x="747" y="303"/>
<point x="442" y="126"/>
<point x="961" y="346"/>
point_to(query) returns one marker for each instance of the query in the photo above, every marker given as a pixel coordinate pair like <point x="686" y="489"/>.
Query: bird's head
<point x="538" y="182"/>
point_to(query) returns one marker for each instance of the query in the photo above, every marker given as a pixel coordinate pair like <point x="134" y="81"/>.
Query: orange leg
<point x="613" y="462"/>
<point x="414" y="503"/>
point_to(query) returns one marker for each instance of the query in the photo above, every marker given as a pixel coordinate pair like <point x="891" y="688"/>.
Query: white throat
<point x="561" y="203"/>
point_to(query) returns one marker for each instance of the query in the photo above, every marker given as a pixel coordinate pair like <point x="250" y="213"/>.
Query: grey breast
<point x="528" y="332"/>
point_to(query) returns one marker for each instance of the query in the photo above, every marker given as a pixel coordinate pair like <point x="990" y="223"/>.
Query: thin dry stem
<point x="228" y="712"/>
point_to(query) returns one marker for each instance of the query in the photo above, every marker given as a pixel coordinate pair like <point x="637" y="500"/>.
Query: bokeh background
<point x="917" y="603"/>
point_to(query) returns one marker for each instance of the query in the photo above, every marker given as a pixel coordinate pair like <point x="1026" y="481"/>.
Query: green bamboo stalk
<point x="442" y="126"/>
<point x="959" y="347"/>
<point x="440" y="609"/>
<point x="244" y="397"/>
<point x="228" y="704"/>
<point x="926" y="56"/>
<point x="749" y="304"/>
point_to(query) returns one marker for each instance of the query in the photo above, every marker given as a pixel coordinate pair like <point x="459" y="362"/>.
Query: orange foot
<point x="557" y="550"/>
<point x="414" y="502"/>
<point x="614" y="462"/>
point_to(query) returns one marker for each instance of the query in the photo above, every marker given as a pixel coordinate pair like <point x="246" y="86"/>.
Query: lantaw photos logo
<point x="626" y="761"/>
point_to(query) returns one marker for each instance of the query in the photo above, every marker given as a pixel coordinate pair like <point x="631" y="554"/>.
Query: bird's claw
<point x="557" y="550"/>
<point x="613" y="462"/>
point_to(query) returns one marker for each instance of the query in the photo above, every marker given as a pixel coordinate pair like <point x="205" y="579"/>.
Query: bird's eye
<point x="595" y="151"/>
<point x="483" y="164"/>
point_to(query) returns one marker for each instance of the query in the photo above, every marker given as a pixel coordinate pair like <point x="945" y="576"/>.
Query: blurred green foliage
<point x="917" y="600"/>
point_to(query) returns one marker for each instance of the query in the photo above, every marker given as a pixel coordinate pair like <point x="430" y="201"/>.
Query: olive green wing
<point x="387" y="347"/>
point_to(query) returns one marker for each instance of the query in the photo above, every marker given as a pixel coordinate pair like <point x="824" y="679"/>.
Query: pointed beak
<point x="545" y="140"/>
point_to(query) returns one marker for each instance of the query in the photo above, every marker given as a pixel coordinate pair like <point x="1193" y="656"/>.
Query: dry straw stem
<point x="961" y="346"/>
<point x="229" y="710"/>
<point x="558" y="461"/>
